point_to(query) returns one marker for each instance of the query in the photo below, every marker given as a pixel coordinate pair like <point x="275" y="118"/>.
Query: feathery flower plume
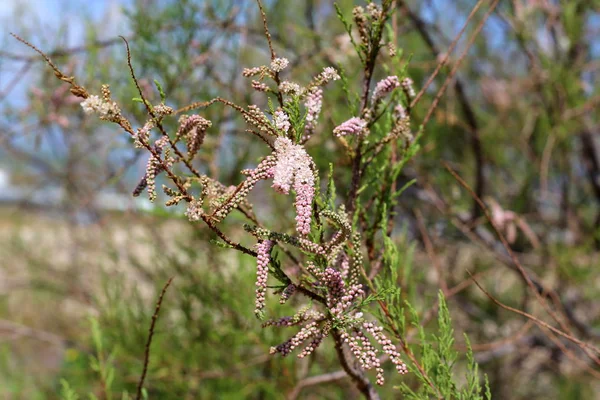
<point x="353" y="126"/>
<point x="294" y="168"/>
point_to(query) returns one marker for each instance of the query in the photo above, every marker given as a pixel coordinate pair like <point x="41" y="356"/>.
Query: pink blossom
<point x="400" y="112"/>
<point x="262" y="272"/>
<point x="294" y="168"/>
<point x="282" y="121"/>
<point x="354" y="126"/>
<point x="407" y="86"/>
<point x="385" y="86"/>
<point x="313" y="104"/>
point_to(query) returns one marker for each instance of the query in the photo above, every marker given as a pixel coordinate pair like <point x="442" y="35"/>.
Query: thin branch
<point x="515" y="260"/>
<point x="266" y="28"/>
<point x="62" y="52"/>
<point x="149" y="341"/>
<point x="271" y="49"/>
<point x="316" y="380"/>
<point x="538" y="321"/>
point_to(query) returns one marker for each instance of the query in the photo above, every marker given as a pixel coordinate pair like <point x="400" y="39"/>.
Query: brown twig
<point x="507" y="247"/>
<point x="263" y="15"/>
<point x="62" y="52"/>
<point x="77" y="90"/>
<point x="541" y="299"/>
<point x="539" y="322"/>
<point x="500" y="342"/>
<point x="149" y="341"/>
<point x="316" y="380"/>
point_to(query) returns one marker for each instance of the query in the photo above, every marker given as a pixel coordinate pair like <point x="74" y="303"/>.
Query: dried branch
<point x="541" y="323"/>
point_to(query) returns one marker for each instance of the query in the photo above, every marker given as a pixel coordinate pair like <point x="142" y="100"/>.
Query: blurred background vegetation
<point x="82" y="262"/>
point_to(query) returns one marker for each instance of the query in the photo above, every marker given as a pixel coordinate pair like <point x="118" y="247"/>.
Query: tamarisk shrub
<point x="320" y="263"/>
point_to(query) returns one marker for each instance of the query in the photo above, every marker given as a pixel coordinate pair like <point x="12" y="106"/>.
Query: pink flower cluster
<point x="290" y="88"/>
<point x="340" y="297"/>
<point x="313" y="104"/>
<point x="400" y="112"/>
<point x="329" y="74"/>
<point x="262" y="272"/>
<point x="354" y="126"/>
<point x="193" y="129"/>
<point x="279" y="64"/>
<point x="294" y="168"/>
<point x="281" y="120"/>
<point x="366" y="353"/>
<point x="309" y="330"/>
<point x="108" y="110"/>
<point x="260" y="86"/>
<point x="384" y="87"/>
<point x="407" y="87"/>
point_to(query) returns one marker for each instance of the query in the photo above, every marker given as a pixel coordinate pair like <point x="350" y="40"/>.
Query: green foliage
<point x="438" y="358"/>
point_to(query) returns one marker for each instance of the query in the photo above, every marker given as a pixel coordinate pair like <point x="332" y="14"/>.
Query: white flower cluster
<point x="328" y="74"/>
<point x="105" y="109"/>
<point x="290" y="88"/>
<point x="279" y="64"/>
<point x="282" y="121"/>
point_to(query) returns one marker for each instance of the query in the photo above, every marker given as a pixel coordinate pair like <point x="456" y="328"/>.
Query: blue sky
<point x="47" y="16"/>
<point x="43" y="23"/>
